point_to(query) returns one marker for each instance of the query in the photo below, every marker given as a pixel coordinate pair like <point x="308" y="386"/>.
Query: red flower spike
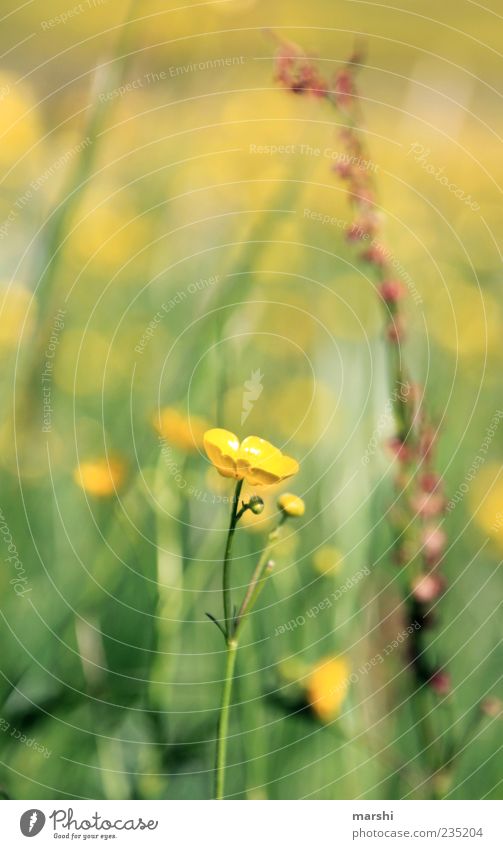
<point x="434" y="540"/>
<point x="376" y="254"/>
<point x="391" y="291"/>
<point x="428" y="504"/>
<point x="400" y="449"/>
<point x="395" y="330"/>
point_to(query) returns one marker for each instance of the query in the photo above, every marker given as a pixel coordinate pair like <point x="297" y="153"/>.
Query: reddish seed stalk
<point x="416" y="518"/>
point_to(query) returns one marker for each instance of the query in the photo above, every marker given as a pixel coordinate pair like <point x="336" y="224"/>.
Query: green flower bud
<point x="256" y="504"/>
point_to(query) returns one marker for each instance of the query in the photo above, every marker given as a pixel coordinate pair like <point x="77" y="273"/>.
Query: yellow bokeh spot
<point x="327" y="560"/>
<point x="100" y="478"/>
<point x="184" y="432"/>
<point x="327" y="686"/>
<point x="486" y="501"/>
<point x="19" y="124"/>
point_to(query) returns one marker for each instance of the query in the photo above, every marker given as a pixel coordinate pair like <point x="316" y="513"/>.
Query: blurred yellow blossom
<point x="184" y="432"/>
<point x="101" y="478"/>
<point x="327" y="559"/>
<point x="327" y="686"/>
<point x="486" y="501"/>
<point x="20" y="128"/>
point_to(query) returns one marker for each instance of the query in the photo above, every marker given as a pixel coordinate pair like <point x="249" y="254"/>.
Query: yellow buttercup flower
<point x="182" y="431"/>
<point x="254" y="460"/>
<point x="327" y="686"/>
<point x="101" y="478"/>
<point x="291" y="505"/>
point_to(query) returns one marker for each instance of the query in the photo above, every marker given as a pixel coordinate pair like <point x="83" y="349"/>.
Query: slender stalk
<point x="223" y="721"/>
<point x="228" y="561"/>
<point x="233" y="628"/>
<point x="232" y="646"/>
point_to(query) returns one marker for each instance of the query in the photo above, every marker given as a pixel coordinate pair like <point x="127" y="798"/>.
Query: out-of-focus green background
<point x="140" y="193"/>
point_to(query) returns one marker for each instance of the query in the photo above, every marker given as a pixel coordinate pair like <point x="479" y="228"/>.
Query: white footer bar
<point x="254" y="824"/>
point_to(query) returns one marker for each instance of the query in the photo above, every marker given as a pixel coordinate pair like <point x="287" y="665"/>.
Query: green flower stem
<point x="232" y="629"/>
<point x="223" y="721"/>
<point x="232" y="646"/>
<point x="228" y="560"/>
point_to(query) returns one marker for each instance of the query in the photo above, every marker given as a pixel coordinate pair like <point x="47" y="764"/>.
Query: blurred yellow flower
<point x="20" y="128"/>
<point x="291" y="504"/>
<point x="486" y="501"/>
<point x="185" y="432"/>
<point x="327" y="559"/>
<point x="100" y="478"/>
<point x="254" y="460"/>
<point x="327" y="686"/>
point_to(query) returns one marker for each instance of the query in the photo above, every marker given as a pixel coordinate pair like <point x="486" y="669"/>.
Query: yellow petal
<point x="222" y="447"/>
<point x="259" y="477"/>
<point x="274" y="470"/>
<point x="262" y="463"/>
<point x="251" y="456"/>
<point x="179" y="430"/>
<point x="255" y="450"/>
<point x="284" y="467"/>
